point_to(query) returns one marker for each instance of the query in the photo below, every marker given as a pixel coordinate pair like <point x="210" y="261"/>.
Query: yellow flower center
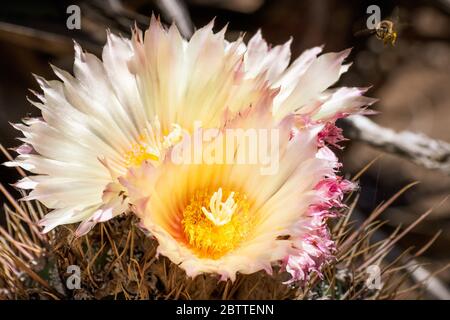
<point x="139" y="152"/>
<point x="214" y="227"/>
<point x="150" y="145"/>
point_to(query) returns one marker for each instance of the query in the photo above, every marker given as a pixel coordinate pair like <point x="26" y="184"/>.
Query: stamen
<point x="140" y="152"/>
<point x="151" y="146"/>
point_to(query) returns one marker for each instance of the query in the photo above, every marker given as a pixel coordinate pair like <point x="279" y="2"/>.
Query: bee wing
<point x="395" y="16"/>
<point x="399" y="19"/>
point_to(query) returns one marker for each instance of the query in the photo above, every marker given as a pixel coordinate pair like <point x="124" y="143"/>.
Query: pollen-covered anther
<point x="151" y="145"/>
<point x="139" y="152"/>
<point x="213" y="228"/>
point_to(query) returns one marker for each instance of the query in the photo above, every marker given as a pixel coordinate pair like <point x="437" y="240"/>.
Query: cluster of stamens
<point x="213" y="227"/>
<point x="151" y="144"/>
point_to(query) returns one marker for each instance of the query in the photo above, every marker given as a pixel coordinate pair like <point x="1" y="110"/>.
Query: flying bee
<point x="384" y="30"/>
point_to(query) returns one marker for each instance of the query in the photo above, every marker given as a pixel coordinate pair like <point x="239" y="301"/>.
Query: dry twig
<point x="416" y="147"/>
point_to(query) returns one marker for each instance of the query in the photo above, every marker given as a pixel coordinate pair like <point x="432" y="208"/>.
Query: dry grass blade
<point x="375" y="214"/>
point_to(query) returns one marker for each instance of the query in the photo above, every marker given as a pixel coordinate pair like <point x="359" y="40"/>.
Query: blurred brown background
<point x="411" y="79"/>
